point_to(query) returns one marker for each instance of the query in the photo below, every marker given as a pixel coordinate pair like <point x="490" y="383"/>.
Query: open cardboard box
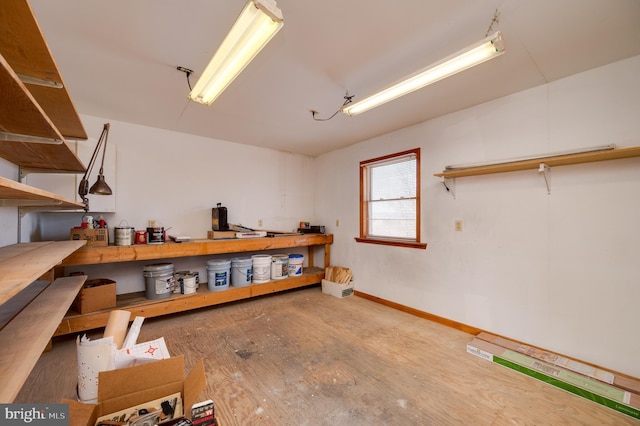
<point x="95" y="295"/>
<point x="126" y="387"/>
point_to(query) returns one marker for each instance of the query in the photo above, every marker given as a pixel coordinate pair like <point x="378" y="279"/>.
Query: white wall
<point x="557" y="270"/>
<point x="176" y="179"/>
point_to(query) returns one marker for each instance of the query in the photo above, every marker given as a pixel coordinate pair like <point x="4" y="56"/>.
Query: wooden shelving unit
<point x="30" y="310"/>
<point x="138" y="305"/>
<point x="30" y="109"/>
<point x="551" y="161"/>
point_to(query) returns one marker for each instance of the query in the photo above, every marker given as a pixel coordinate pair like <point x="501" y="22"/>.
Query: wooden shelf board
<point x="13" y="306"/>
<point x="25" y="49"/>
<point x="24" y="338"/>
<point x="562" y="160"/>
<point x="110" y="254"/>
<point x="14" y="193"/>
<point x="21" y="264"/>
<point x="138" y="305"/>
<point x="21" y="114"/>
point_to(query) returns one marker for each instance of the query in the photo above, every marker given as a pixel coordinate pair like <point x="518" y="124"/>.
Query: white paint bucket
<point x="124" y="235"/>
<point x="296" y="261"/>
<point x="241" y="271"/>
<point x="218" y="274"/>
<point x="187" y="283"/>
<point x="261" y="268"/>
<point x="279" y="266"/>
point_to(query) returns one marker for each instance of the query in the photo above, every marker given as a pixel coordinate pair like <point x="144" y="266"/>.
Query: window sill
<point x="395" y="243"/>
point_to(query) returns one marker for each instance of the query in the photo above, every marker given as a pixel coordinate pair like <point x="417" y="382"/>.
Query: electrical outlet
<point x="337" y="223"/>
<point x="458" y="225"/>
<point x="259" y="222"/>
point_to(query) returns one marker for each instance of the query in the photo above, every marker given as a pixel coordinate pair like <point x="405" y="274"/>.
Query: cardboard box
<point x="338" y="290"/>
<point x="127" y="387"/>
<point x="95" y="237"/>
<point x="95" y="295"/>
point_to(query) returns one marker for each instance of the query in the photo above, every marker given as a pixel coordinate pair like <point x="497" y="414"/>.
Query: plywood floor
<point x="306" y="358"/>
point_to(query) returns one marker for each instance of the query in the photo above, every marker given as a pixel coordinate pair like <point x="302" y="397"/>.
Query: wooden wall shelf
<point x="551" y="161"/>
<point x="14" y="193"/>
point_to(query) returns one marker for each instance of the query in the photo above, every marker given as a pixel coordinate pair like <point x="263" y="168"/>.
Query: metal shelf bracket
<point x="450" y="185"/>
<point x="546" y="170"/>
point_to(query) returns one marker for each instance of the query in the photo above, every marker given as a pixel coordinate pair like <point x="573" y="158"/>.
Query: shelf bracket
<point x="545" y="170"/>
<point x="450" y="185"/>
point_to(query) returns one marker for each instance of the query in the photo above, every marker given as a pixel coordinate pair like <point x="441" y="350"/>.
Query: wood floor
<point x="306" y="358"/>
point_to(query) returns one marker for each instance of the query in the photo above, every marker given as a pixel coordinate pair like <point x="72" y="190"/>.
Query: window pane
<point x="392" y="181"/>
<point x="393" y="218"/>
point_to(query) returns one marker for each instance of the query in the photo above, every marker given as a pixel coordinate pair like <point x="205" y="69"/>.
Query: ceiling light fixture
<point x="488" y="48"/>
<point x="259" y="21"/>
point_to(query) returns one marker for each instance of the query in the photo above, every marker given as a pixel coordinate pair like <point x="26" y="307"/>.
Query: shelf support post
<point x="545" y="170"/>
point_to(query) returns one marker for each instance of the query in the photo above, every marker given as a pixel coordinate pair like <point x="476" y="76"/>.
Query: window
<point x="390" y="200"/>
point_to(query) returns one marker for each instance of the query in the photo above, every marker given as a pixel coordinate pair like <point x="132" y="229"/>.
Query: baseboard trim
<point x="471" y="330"/>
<point x="431" y="317"/>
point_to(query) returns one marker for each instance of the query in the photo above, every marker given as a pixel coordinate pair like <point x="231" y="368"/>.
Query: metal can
<point x="141" y="237"/>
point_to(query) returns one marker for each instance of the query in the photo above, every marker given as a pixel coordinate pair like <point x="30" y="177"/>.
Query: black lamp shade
<point x="100" y="187"/>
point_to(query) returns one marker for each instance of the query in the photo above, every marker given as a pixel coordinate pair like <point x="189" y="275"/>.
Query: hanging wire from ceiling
<point x="495" y="20"/>
<point x="188" y="72"/>
<point x="347" y="100"/>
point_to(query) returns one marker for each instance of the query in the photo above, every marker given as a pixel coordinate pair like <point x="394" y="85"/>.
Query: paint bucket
<point x="141" y="237"/>
<point x="124" y="235"/>
<point x="241" y="271"/>
<point x="159" y="280"/>
<point x="295" y="264"/>
<point x="155" y="235"/>
<point x="261" y="268"/>
<point x="187" y="282"/>
<point x="279" y="266"/>
<point x="218" y="274"/>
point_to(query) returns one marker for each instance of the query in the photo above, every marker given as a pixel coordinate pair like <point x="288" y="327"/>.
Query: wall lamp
<point x="488" y="48"/>
<point x="100" y="187"/>
<point x="259" y="21"/>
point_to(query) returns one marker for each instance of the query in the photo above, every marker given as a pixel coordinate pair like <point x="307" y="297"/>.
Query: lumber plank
<point x="23" y="263"/>
<point x="593" y="390"/>
<point x="623" y="382"/>
<point x="24" y="338"/>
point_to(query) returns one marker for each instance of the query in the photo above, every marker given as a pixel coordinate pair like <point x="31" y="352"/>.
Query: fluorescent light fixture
<point x="466" y="58"/>
<point x="259" y="21"/>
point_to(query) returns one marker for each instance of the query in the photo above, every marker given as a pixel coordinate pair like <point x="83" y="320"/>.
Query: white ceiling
<point x="119" y="57"/>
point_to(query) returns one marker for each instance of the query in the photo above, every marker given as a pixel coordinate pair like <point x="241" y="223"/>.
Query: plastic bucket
<point x="279" y="266"/>
<point x="218" y="274"/>
<point x="241" y="271"/>
<point x="261" y="268"/>
<point x="159" y="280"/>
<point x="295" y="264"/>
